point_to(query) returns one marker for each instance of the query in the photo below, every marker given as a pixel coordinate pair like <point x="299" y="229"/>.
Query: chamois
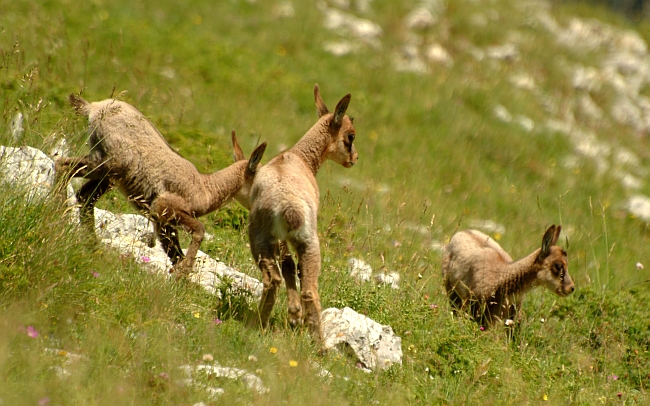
<point x="128" y="151"/>
<point x="284" y="206"/>
<point x="481" y="278"/>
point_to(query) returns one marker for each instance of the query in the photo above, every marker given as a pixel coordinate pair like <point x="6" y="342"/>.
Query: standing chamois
<point x="481" y="278"/>
<point x="284" y="208"/>
<point x="128" y="151"/>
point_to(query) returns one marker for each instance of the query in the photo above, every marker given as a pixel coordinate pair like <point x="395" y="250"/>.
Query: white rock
<point x="525" y="122"/>
<point x="31" y="169"/>
<point x="503" y="52"/>
<point x="587" y="78"/>
<point x="109" y="225"/>
<point x="502" y="113"/>
<point x="625" y="111"/>
<point x="420" y="18"/>
<point x="391" y="278"/>
<point x="628" y="158"/>
<point x="523" y="80"/>
<point x="340" y="48"/>
<point x="210" y="274"/>
<point x="375" y="345"/>
<point x="16" y="128"/>
<point x="359" y="269"/>
<point x="631" y="41"/>
<point x="639" y="206"/>
<point x="60" y="149"/>
<point x="252" y="381"/>
<point x="410" y="60"/>
<point x="364" y="29"/>
<point x="437" y="53"/>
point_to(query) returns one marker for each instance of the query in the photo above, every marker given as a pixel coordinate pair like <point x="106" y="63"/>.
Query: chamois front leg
<point x="170" y="210"/>
<point x="168" y="237"/>
<point x="87" y="196"/>
<point x="309" y="268"/>
<point x="293" y="298"/>
<point x="78" y="167"/>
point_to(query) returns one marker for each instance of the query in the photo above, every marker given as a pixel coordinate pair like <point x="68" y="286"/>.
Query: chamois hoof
<point x="295" y="316"/>
<point x="181" y="270"/>
<point x="322" y="351"/>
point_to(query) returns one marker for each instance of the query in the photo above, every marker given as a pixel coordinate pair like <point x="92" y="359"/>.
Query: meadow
<point x="437" y="154"/>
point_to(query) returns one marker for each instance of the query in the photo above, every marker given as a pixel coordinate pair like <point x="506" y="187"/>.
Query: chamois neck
<point x="520" y="276"/>
<point x="222" y="185"/>
<point x="313" y="145"/>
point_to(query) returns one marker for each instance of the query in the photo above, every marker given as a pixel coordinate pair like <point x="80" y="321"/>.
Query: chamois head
<point x="341" y="149"/>
<point x="243" y="196"/>
<point x="553" y="264"/>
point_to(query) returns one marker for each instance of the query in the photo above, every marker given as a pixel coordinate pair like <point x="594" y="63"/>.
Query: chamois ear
<point x="256" y="157"/>
<point x="556" y="236"/>
<point x="340" y="110"/>
<point x="237" y="153"/>
<point x="321" y="108"/>
<point x="550" y="238"/>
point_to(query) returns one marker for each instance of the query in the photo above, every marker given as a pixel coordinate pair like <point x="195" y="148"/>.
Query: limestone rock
<point x="30" y="168"/>
<point x="359" y="269"/>
<point x="374" y="345"/>
<point x="420" y="18"/>
<point x="110" y="225"/>
<point x="252" y="381"/>
<point x="390" y="278"/>
<point x="639" y="206"/>
<point x="211" y="273"/>
<point x="16" y="127"/>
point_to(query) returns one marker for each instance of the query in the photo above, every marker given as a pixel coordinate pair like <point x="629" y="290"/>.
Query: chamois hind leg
<point x="309" y="268"/>
<point x="170" y="210"/>
<point x="289" y="273"/>
<point x="264" y="249"/>
<point x="87" y="196"/>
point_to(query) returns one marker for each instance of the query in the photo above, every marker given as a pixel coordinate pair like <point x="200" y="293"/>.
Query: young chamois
<point x="284" y="208"/>
<point x="128" y="151"/>
<point x="481" y="278"/>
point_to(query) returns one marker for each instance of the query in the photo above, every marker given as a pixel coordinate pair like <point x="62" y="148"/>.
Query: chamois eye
<point x="558" y="269"/>
<point x="350" y="138"/>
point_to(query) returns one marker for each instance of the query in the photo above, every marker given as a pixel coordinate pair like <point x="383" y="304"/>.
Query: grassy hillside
<point x="499" y="127"/>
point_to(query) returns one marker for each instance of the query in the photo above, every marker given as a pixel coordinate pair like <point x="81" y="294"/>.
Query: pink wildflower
<point x="482" y="328"/>
<point x="217" y="321"/>
<point x="145" y="258"/>
<point x="33" y="333"/>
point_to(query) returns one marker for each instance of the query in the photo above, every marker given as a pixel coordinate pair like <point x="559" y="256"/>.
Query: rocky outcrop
<point x="374" y="345"/>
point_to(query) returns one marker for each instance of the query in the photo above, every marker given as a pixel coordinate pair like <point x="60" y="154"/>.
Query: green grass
<point x="432" y="158"/>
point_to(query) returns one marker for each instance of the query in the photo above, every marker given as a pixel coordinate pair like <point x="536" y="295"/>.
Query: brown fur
<point x="284" y="207"/>
<point x="481" y="277"/>
<point x="128" y="151"/>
